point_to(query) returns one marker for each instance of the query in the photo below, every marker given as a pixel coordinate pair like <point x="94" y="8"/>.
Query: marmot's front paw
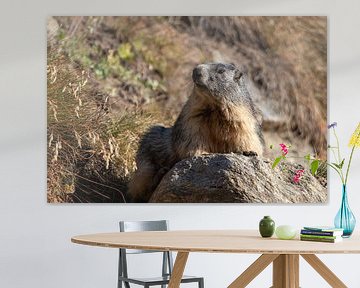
<point x="249" y="153"/>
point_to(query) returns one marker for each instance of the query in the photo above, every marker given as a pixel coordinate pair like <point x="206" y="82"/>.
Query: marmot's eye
<point x="221" y="71"/>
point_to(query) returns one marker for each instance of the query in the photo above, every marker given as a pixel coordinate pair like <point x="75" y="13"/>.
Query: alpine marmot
<point x="219" y="117"/>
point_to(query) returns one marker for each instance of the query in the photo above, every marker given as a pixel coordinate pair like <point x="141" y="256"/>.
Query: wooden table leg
<point x="293" y="261"/>
<point x="286" y="271"/>
<point x="178" y="269"/>
<point x="253" y="270"/>
<point x="324" y="271"/>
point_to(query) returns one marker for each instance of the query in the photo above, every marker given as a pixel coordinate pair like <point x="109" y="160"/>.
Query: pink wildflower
<point x="284" y="149"/>
<point x="298" y="175"/>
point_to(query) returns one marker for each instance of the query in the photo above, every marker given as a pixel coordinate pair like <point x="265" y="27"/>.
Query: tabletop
<point x="217" y="241"/>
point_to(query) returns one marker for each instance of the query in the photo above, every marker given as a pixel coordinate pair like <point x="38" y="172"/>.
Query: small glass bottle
<point x="267" y="227"/>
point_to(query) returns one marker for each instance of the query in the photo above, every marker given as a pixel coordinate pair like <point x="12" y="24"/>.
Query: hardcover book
<point x="321" y="233"/>
<point x="323" y="228"/>
<point x="319" y="237"/>
<point x="337" y="239"/>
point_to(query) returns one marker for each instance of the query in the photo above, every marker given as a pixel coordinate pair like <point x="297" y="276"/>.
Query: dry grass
<point x="90" y="155"/>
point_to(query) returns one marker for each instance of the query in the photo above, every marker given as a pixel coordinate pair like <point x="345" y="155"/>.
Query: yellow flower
<point x="355" y="138"/>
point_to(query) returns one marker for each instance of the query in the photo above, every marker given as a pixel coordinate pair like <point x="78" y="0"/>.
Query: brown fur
<point x="213" y="129"/>
<point x="217" y="118"/>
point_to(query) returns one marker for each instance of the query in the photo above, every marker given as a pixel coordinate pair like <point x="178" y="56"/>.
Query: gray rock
<point x="234" y="178"/>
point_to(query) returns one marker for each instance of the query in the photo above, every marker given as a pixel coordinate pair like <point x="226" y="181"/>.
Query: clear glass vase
<point x="345" y="219"/>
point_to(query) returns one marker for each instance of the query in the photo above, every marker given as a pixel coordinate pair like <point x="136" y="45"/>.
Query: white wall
<point x="35" y="248"/>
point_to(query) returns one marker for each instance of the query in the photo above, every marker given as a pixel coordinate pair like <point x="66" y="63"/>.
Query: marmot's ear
<point x="238" y="74"/>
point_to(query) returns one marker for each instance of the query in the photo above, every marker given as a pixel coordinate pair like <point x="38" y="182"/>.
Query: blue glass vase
<point x="345" y="219"/>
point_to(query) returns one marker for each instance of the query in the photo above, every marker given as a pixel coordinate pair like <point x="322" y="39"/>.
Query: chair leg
<point x="119" y="270"/>
<point x="201" y="283"/>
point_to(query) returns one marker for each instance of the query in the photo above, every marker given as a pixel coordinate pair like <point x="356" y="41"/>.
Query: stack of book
<point x="321" y="234"/>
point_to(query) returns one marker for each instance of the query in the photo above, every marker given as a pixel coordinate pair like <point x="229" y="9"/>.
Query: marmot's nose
<point x="197" y="74"/>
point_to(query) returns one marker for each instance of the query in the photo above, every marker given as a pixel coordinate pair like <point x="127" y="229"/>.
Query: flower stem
<point x="351" y="156"/>
<point x="337" y="142"/>
<point x="339" y="162"/>
<point x="348" y="167"/>
<point x="333" y="152"/>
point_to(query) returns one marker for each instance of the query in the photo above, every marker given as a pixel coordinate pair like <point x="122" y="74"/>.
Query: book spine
<point x="319" y="236"/>
<point x="317" y="239"/>
<point x="320" y="233"/>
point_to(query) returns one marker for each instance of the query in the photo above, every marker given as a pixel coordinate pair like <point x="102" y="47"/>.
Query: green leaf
<point x="314" y="166"/>
<point x="308" y="158"/>
<point x="336" y="165"/>
<point x="341" y="164"/>
<point x="277" y="161"/>
<point x="271" y="146"/>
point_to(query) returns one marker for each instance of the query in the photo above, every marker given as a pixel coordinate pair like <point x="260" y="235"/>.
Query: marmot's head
<point x="219" y="82"/>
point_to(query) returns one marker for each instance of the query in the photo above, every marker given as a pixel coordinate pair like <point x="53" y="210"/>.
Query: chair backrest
<point x="134" y="226"/>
